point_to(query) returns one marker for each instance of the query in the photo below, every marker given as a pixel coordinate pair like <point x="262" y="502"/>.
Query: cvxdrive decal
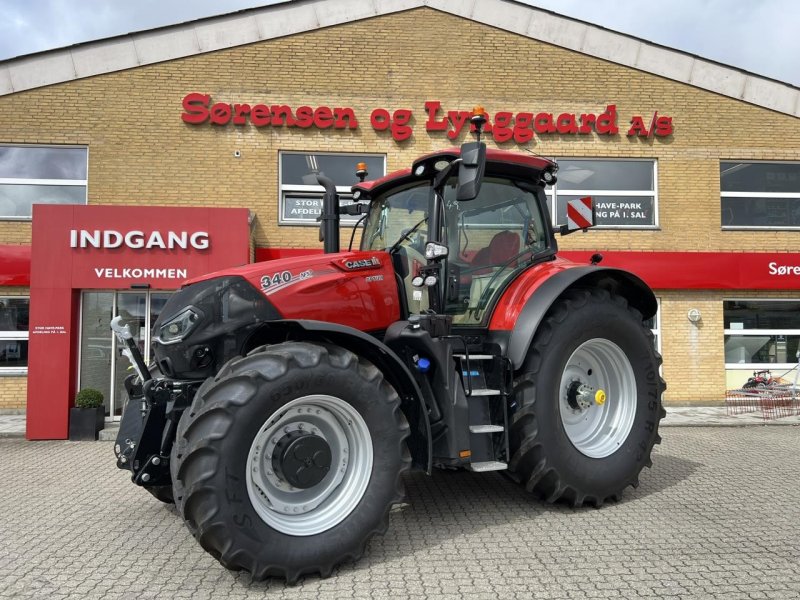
<point x="281" y="280"/>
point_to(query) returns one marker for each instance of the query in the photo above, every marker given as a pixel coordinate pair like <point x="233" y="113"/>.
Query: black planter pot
<point x="85" y="423"/>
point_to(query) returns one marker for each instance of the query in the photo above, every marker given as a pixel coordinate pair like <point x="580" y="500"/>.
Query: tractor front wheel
<point x="288" y="462"/>
<point x="589" y="397"/>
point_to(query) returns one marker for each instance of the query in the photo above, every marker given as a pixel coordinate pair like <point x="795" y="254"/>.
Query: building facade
<point x="694" y="166"/>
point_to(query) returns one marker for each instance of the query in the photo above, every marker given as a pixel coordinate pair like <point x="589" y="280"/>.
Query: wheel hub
<point x="580" y="396"/>
<point x="596" y="425"/>
<point x="309" y="465"/>
<point x="302" y="459"/>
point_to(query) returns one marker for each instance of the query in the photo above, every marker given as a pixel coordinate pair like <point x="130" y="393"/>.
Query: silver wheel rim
<point x="598" y="430"/>
<point x="303" y="512"/>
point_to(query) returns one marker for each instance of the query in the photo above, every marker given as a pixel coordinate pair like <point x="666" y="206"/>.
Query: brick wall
<point x="141" y="152"/>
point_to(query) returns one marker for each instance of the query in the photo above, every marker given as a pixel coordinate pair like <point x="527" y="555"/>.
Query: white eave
<point x="288" y="18"/>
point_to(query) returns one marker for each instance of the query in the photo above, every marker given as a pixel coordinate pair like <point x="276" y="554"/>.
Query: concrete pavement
<point x="716" y="517"/>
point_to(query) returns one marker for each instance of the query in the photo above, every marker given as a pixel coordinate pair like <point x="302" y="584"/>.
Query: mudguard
<point x="617" y="281"/>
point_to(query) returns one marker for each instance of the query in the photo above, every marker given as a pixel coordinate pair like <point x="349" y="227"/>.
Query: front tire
<point x="589" y="398"/>
<point x="289" y="461"/>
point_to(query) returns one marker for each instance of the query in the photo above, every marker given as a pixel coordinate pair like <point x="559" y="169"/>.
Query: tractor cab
<point x="460" y="225"/>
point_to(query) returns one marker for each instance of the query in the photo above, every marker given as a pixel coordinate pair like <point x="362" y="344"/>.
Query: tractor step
<point x="489" y="465"/>
<point x="475" y="356"/>
<point x="486" y="428"/>
<point x="485" y="392"/>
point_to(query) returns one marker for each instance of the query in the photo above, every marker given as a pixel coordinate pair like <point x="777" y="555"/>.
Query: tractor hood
<point x="212" y="318"/>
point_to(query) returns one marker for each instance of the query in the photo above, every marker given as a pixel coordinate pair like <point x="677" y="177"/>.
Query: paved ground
<point x="717" y="517"/>
<point x="13" y="425"/>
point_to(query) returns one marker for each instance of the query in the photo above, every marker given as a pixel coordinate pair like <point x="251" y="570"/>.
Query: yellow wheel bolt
<point x="600" y="397"/>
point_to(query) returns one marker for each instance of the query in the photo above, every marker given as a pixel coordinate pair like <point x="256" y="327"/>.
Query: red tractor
<point x="287" y="399"/>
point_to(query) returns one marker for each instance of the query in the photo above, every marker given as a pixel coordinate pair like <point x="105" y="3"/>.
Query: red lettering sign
<point x="504" y="127"/>
<point x="197" y="109"/>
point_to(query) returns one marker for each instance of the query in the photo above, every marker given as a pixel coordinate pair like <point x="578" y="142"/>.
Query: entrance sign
<point x="109" y="247"/>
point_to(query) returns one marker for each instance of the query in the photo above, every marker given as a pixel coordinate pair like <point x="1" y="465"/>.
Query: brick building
<point x="694" y="165"/>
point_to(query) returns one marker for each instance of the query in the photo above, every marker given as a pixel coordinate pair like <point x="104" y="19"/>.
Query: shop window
<point x="759" y="195"/>
<point x="40" y="175"/>
<point x="14" y="335"/>
<point x="624" y="191"/>
<point x="301" y="195"/>
<point x="761" y="333"/>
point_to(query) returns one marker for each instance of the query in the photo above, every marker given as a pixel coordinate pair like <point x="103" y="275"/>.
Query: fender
<point x="617" y="281"/>
<point x="384" y="358"/>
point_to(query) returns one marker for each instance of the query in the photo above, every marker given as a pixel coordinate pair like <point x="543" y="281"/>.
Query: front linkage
<point x="150" y="418"/>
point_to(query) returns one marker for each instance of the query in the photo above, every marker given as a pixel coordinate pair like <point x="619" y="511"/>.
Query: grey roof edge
<point x="291" y="17"/>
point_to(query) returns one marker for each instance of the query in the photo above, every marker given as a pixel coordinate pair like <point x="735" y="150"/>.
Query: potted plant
<point x="87" y="417"/>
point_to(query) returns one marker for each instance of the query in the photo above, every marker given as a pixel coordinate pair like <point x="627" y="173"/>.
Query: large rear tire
<point x="589" y="397"/>
<point x="290" y="460"/>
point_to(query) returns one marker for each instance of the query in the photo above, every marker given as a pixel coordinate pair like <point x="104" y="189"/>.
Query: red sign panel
<point x="109" y="247"/>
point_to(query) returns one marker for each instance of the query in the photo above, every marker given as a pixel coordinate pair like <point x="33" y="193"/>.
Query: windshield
<point x="396" y="214"/>
<point x="490" y="239"/>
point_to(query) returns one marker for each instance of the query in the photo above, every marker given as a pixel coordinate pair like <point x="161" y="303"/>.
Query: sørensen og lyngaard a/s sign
<point x="502" y="126"/>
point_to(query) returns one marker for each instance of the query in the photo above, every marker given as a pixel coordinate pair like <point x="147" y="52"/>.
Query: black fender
<point x="384" y="358"/>
<point x="625" y="284"/>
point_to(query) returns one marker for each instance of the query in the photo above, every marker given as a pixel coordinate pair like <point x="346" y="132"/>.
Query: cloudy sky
<point x="760" y="36"/>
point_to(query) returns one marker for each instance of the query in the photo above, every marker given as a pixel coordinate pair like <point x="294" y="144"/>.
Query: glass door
<point x="132" y="307"/>
<point x="97" y="352"/>
<point x="102" y="364"/>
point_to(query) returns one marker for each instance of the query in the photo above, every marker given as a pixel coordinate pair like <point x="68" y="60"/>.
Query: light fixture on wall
<point x="694" y="315"/>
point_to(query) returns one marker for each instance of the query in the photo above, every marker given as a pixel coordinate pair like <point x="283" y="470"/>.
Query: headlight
<point x="178" y="327"/>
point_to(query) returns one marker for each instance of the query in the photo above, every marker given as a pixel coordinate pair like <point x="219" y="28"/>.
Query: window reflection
<point x="18" y="200"/>
<point x="30" y="162"/>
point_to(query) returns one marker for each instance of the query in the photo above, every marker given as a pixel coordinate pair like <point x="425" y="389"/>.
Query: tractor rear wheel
<point x="589" y="397"/>
<point x="289" y="461"/>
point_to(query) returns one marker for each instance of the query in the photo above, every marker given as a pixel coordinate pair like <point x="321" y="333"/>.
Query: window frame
<point x="46" y="182"/>
<point x="757" y="195"/>
<point x="754" y="366"/>
<point x="315" y="191"/>
<point x="552" y="193"/>
<point x="12" y="335"/>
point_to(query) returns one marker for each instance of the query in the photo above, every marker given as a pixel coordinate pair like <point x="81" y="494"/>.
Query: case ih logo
<point x="366" y="263"/>
<point x="169" y="240"/>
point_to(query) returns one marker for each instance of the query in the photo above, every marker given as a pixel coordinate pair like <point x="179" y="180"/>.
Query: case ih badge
<point x="364" y="263"/>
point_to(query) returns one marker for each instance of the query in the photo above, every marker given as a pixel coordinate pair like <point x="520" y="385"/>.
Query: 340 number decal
<point x="281" y="279"/>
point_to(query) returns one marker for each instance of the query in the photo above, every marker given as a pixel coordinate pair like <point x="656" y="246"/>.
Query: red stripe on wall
<point x="15" y="265"/>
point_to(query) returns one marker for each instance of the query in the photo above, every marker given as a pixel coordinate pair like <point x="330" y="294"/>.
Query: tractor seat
<point x="503" y="247"/>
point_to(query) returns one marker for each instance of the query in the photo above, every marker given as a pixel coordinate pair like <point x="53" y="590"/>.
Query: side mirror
<point x="580" y="215"/>
<point x="470" y="171"/>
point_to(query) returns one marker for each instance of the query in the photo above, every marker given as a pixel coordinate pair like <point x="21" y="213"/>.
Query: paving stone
<point x="716" y="517"/>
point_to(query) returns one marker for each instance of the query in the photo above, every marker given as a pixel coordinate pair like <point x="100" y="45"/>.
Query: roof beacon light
<point x="361" y="171"/>
<point x="478" y="120"/>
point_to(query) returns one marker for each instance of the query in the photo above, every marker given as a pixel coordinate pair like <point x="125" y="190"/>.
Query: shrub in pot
<point x="87" y="417"/>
